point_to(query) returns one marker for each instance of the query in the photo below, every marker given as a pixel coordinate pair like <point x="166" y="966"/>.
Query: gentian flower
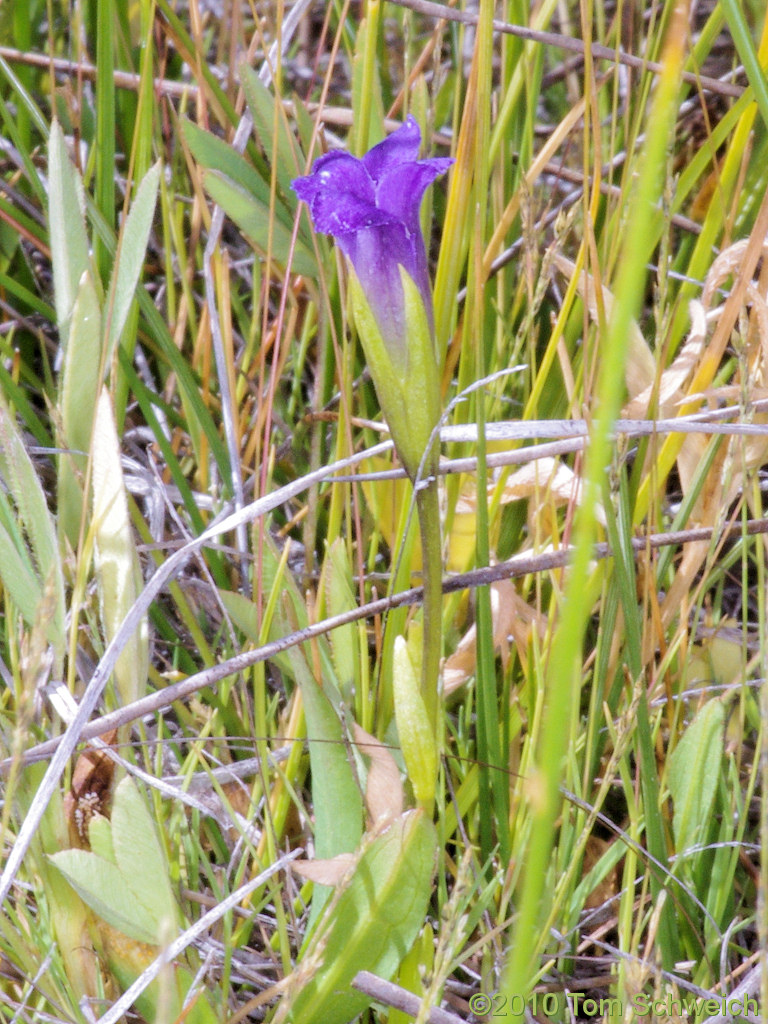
<point x="371" y="207"/>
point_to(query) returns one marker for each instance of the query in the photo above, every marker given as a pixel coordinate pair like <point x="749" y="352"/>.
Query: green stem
<point x="428" y="508"/>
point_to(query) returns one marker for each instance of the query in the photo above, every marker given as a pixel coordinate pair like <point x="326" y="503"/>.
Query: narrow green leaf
<point x="66" y="912"/>
<point x="130" y="256"/>
<point x="18" y="396"/>
<point x="21" y="480"/>
<point x="22" y="107"/>
<point x="342" y="599"/>
<point x="106" y="23"/>
<point x="290" y="613"/>
<point x="118" y="572"/>
<point x="187" y="48"/>
<point x="742" y="37"/>
<point x="694" y="766"/>
<point x="367" y="101"/>
<point x="66" y="217"/>
<point x="253" y="219"/>
<point x="305" y="127"/>
<point x="372" y="925"/>
<point x="148" y="402"/>
<point x="336" y="796"/>
<point x="18" y="578"/>
<point x="417" y="738"/>
<point x="214" y="154"/>
<point x="15" y="288"/>
<point x="261" y="103"/>
<point x="77" y="403"/>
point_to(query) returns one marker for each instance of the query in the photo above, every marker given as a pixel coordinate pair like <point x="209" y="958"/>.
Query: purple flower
<point x="371" y="207"/>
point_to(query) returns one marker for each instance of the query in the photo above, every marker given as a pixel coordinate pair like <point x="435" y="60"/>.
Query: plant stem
<point x="428" y="508"/>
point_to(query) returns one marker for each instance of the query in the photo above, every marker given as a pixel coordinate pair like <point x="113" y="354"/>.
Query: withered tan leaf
<point x="671" y="381"/>
<point x="325" y="872"/>
<point x="512" y="618"/>
<point x="384" y="789"/>
<point x="547" y="481"/>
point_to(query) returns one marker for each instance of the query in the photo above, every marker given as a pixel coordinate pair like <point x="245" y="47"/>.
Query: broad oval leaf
<point x="140" y="857"/>
<point x="371" y="926"/>
<point x="101" y="885"/>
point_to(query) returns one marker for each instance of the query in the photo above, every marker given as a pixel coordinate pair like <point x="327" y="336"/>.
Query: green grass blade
<point x="132" y="245"/>
<point x="66" y="220"/>
<point x="106" y="22"/>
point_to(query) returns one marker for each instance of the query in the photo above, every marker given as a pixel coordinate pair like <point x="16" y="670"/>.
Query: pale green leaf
<point x="100" y="837"/>
<point x="77" y="404"/>
<point x="66" y="217"/>
<point x="694" y="768"/>
<point x="140" y="857"/>
<point x="118" y="573"/>
<point x="101" y="885"/>
<point x="130" y="257"/>
<point x="371" y="926"/>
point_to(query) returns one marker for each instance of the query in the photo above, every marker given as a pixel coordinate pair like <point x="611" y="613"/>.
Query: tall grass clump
<point x="383" y="581"/>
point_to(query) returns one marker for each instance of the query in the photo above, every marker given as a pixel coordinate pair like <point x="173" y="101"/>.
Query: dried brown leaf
<point x="512" y="618"/>
<point x="325" y="872"/>
<point x="669" y="389"/>
<point x="91" y="790"/>
<point x="384" y="790"/>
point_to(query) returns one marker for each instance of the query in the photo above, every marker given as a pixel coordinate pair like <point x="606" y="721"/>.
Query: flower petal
<point x="342" y="172"/>
<point x="371" y="207"/>
<point x="340" y="214"/>
<point x="401" y="147"/>
<point x="400" y="190"/>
